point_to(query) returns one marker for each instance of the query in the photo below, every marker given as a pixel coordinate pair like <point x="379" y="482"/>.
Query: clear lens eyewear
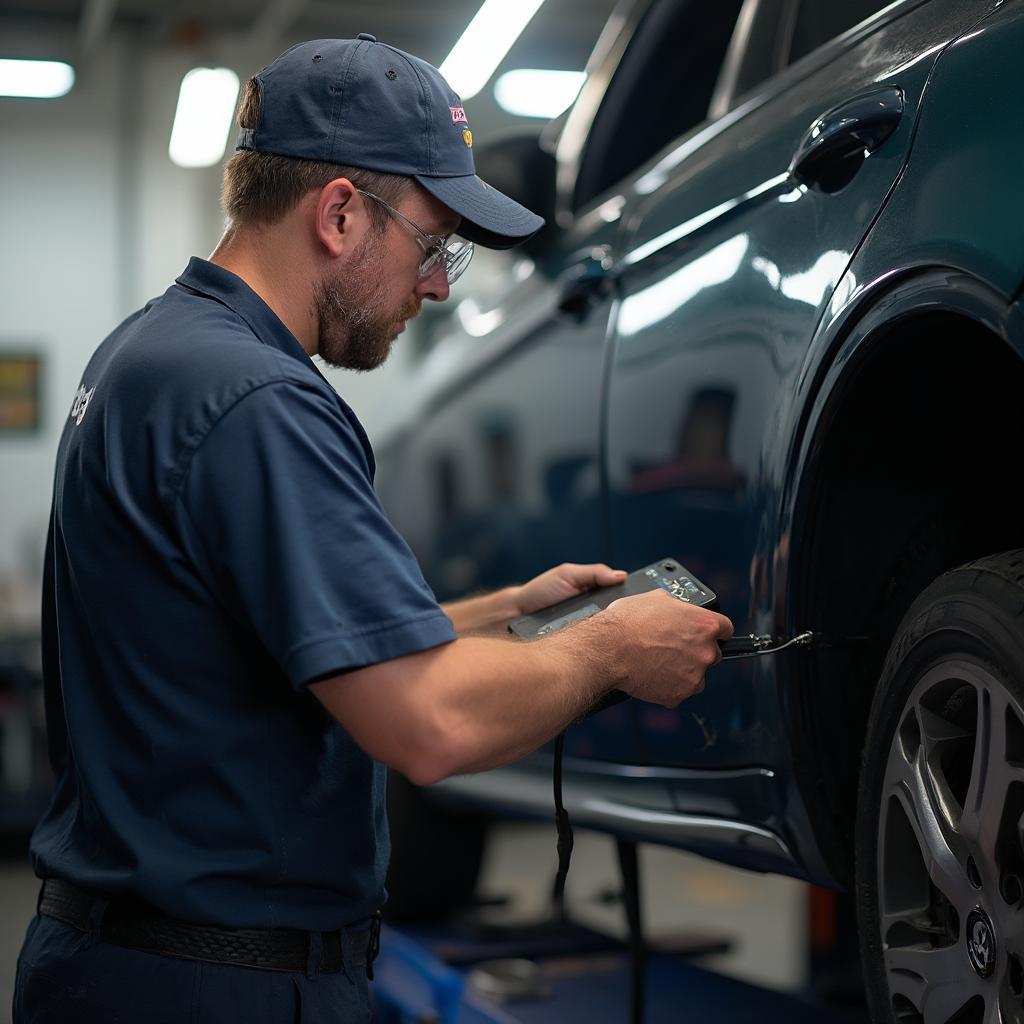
<point x="454" y="252"/>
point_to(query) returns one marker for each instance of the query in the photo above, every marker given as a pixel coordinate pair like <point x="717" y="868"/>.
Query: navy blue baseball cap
<point x="369" y="105"/>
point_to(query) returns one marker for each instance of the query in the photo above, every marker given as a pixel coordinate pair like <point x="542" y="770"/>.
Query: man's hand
<point x="479" y="702"/>
<point x="667" y="645"/>
<point x="492" y="612"/>
<point x="562" y="582"/>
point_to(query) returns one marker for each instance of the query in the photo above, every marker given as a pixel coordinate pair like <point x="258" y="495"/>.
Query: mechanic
<point x="236" y="641"/>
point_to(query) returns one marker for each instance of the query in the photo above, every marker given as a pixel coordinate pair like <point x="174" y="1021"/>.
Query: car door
<point x="737" y="237"/>
<point x="504" y="447"/>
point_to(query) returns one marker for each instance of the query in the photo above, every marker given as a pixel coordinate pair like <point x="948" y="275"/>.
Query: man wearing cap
<point x="236" y="641"/>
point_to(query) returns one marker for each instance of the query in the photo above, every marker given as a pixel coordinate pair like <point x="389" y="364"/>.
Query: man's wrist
<point x="509" y="602"/>
<point x="503" y="607"/>
<point x="592" y="653"/>
<point x="486" y="611"/>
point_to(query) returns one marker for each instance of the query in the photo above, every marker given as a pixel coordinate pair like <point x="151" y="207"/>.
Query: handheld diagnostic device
<point x="666" y="573"/>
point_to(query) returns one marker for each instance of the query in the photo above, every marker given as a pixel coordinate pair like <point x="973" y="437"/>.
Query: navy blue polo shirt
<point x="215" y="545"/>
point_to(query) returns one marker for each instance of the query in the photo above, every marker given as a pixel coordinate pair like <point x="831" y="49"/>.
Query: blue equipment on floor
<point x="422" y="978"/>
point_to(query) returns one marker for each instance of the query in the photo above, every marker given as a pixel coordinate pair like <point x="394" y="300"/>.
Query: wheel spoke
<point x="916" y="918"/>
<point x="991" y="776"/>
<point x="937" y="730"/>
<point x="994" y="1012"/>
<point x="935" y="838"/>
<point x="937" y="981"/>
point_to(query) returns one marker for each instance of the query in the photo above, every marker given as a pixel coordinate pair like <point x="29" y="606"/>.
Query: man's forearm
<point x="502" y="698"/>
<point x="484" y="612"/>
<point x="477" y="702"/>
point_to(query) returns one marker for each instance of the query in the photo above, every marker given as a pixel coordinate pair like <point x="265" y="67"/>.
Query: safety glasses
<point x="455" y="253"/>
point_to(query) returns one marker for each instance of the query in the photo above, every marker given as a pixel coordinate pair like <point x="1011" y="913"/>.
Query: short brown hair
<point x="260" y="188"/>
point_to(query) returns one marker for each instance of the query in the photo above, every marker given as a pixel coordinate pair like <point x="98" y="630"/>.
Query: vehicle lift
<point x="557" y="972"/>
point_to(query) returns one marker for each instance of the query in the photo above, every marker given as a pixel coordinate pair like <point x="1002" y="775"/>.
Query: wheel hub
<point x="981" y="943"/>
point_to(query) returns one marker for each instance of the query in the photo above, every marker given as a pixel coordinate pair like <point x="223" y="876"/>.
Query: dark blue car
<point x="774" y="330"/>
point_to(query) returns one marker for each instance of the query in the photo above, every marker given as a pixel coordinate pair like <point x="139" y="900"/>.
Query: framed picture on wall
<point x="21" y="374"/>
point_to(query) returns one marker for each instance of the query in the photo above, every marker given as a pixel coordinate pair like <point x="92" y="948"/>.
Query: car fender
<point x="863" y="327"/>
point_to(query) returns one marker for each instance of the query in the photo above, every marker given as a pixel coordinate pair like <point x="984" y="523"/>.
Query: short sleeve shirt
<point x="215" y="545"/>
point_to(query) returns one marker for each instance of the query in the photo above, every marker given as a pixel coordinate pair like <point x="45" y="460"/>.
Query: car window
<point x="816" y="22"/>
<point x="753" y="52"/>
<point x="661" y="89"/>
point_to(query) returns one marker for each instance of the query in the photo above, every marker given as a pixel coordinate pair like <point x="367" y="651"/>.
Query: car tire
<point x="939" y="854"/>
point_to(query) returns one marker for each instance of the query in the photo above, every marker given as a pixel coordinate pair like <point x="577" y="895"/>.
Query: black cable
<point x="735" y="647"/>
<point x="565" y="837"/>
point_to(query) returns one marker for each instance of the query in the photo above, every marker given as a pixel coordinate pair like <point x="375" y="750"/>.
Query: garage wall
<point x="60" y="211"/>
<point x="95" y="219"/>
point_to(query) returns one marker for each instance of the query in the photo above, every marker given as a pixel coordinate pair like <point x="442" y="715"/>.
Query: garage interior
<point x="102" y="203"/>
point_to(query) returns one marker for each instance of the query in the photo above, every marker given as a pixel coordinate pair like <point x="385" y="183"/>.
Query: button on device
<point x="367" y="37"/>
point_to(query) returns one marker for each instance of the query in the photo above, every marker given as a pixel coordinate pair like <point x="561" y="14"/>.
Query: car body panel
<point x="964" y="257"/>
<point x="698" y="424"/>
<point x="708" y="344"/>
<point x="969" y="145"/>
<point x="672" y="411"/>
<point x="628" y="805"/>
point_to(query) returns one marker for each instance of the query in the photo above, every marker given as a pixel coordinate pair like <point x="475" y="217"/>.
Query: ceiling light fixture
<point x="482" y="47"/>
<point x="38" y="79"/>
<point x="531" y="92"/>
<point x="206" y="104"/>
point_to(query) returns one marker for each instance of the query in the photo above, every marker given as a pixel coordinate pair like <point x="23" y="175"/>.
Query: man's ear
<point x="340" y="216"/>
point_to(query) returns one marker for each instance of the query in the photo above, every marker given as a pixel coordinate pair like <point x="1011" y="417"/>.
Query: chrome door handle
<point x="837" y="144"/>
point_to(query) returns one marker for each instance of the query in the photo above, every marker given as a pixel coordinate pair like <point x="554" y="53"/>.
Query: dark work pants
<point x="66" y="977"/>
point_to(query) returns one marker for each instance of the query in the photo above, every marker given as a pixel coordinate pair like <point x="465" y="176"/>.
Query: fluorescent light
<point x="532" y="93"/>
<point x="481" y="48"/>
<point x="40" y="79"/>
<point x="206" y="104"/>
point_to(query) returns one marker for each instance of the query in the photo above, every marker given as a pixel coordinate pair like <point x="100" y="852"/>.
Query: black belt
<point x="130" y="922"/>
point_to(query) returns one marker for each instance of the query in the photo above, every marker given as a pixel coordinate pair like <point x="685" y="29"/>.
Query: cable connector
<point x="755" y="644"/>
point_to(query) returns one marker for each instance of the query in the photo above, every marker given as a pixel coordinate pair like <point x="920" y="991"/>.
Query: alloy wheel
<point x="950" y="854"/>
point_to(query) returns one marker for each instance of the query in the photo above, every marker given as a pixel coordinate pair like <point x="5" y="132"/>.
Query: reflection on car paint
<point x="667" y="296"/>
<point x="694" y="224"/>
<point x="669" y="415"/>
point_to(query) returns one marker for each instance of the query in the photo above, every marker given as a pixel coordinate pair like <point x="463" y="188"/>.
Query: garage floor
<point x="766" y="916"/>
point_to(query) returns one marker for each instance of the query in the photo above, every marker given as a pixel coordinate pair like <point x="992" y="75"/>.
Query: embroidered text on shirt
<point x="80" y="404"/>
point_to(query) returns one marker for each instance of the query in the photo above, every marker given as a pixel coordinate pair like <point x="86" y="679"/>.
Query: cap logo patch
<point x="458" y="115"/>
<point x="467" y="137"/>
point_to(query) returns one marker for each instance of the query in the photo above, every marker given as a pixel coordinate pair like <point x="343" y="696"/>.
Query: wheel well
<point x="918" y="469"/>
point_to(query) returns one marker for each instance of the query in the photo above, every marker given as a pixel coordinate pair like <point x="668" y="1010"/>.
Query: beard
<point x="356" y="330"/>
